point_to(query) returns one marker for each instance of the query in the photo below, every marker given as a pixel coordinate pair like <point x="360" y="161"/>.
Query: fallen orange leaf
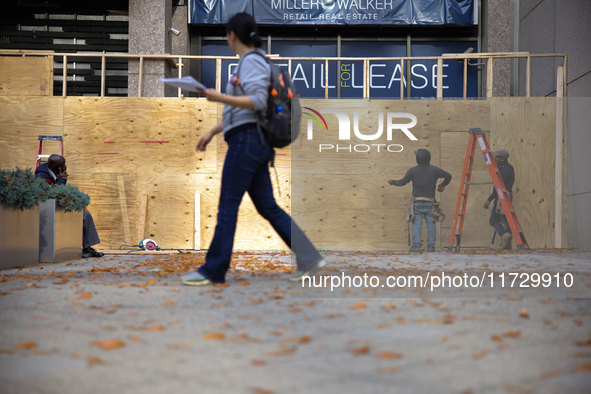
<point x="585" y="367"/>
<point x="258" y="363"/>
<point x="497" y="338"/>
<point x="513" y="334"/>
<point x="169" y="303"/>
<point x="156" y="327"/>
<point x="134" y="338"/>
<point x="361" y="351"/>
<point x="26" y="345"/>
<point x="549" y="375"/>
<point x="108" y="344"/>
<point x="388" y="355"/>
<point x="586" y="342"/>
<point x="295" y="310"/>
<point x="214" y="336"/>
<point x="85" y="296"/>
<point x="75" y="302"/>
<point x="92" y="361"/>
<point x="244" y="284"/>
<point x="524" y="313"/>
<point x="358" y="306"/>
<point x="282" y="352"/>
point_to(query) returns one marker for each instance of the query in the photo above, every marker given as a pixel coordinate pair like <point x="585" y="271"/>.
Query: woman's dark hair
<point x="245" y="28"/>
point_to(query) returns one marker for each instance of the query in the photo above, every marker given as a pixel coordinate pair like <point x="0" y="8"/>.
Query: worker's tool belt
<point x="438" y="215"/>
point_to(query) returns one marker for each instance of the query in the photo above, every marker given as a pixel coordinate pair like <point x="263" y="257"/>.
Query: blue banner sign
<point x="384" y="76"/>
<point x="337" y="12"/>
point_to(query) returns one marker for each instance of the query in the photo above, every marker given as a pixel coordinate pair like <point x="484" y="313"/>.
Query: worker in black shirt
<point x="424" y="178"/>
<point x="497" y="218"/>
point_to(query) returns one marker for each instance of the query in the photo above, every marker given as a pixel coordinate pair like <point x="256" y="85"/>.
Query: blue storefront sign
<point x="384" y="76"/>
<point x="338" y="12"/>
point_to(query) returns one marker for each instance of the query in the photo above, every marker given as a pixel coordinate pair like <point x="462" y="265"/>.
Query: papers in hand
<point x="187" y="83"/>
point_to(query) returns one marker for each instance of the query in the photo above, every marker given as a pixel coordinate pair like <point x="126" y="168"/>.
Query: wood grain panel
<point x="526" y="127"/>
<point x="22" y="120"/>
<point x="112" y="205"/>
<point x="138" y="134"/>
<point x="26" y="76"/>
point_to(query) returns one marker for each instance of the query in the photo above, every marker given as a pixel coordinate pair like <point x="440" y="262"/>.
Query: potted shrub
<point x="20" y="194"/>
<point x="60" y="232"/>
<point x="38" y="221"/>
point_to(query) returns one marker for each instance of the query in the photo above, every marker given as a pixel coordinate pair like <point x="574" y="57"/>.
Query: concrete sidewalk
<point x="124" y="324"/>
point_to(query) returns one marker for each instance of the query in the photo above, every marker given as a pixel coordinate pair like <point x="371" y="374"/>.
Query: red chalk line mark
<point x="108" y="142"/>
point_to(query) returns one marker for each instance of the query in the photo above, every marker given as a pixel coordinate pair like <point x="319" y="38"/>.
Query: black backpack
<point x="280" y="123"/>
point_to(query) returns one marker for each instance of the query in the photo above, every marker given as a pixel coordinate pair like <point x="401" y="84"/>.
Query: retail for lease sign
<point x="335" y="12"/>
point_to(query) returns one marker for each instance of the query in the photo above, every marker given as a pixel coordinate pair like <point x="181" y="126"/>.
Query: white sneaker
<point x="311" y="271"/>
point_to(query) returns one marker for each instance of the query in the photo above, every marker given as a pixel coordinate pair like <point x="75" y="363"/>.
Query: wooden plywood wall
<point x="30" y="76"/>
<point x="342" y="199"/>
<point x="119" y="148"/>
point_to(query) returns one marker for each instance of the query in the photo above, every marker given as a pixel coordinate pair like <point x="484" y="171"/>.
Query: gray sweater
<point x="255" y="79"/>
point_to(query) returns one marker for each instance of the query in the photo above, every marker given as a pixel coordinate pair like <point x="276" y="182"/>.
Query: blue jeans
<point x="497" y="221"/>
<point x="423" y="209"/>
<point x="246" y="170"/>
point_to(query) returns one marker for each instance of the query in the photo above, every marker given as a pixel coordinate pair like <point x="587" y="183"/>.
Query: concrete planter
<point x="60" y="233"/>
<point x="19" y="237"/>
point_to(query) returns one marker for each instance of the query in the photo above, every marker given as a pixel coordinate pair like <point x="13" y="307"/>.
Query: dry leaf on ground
<point x="214" y="336"/>
<point x="91" y="361"/>
<point x="169" y="303"/>
<point x="585" y="367"/>
<point x="388" y="355"/>
<point x="108" y="344"/>
<point x="26" y="345"/>
<point x="361" y="351"/>
<point x="549" y="375"/>
<point x="358" y="306"/>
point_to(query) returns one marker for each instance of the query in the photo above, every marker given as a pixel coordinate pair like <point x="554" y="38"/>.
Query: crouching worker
<point x="424" y="178"/>
<point x="54" y="173"/>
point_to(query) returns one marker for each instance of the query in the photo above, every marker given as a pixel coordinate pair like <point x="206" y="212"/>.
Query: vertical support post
<point x="180" y="72"/>
<point x="123" y="207"/>
<point x="489" y="78"/>
<point x="401" y="79"/>
<point x="326" y="78"/>
<point x="197" y="227"/>
<point x="465" y="78"/>
<point x="103" y="77"/>
<point x="558" y="160"/>
<point x="440" y="78"/>
<point x="366" y="78"/>
<point x="527" y="77"/>
<point x="65" y="81"/>
<point x="141" y="77"/>
<point x="289" y="67"/>
<point x="218" y="75"/>
<point x="142" y="226"/>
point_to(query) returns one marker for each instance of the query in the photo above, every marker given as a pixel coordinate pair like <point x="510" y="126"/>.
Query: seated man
<point x="54" y="172"/>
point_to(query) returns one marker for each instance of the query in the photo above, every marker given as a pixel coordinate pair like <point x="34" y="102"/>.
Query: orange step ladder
<point x="476" y="135"/>
<point x="40" y="147"/>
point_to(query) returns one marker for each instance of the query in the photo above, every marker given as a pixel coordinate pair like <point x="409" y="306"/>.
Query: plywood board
<point x="138" y="134"/>
<point x="22" y="120"/>
<point x="112" y="205"/>
<point x="26" y="76"/>
<point x="526" y="128"/>
<point x="170" y="212"/>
